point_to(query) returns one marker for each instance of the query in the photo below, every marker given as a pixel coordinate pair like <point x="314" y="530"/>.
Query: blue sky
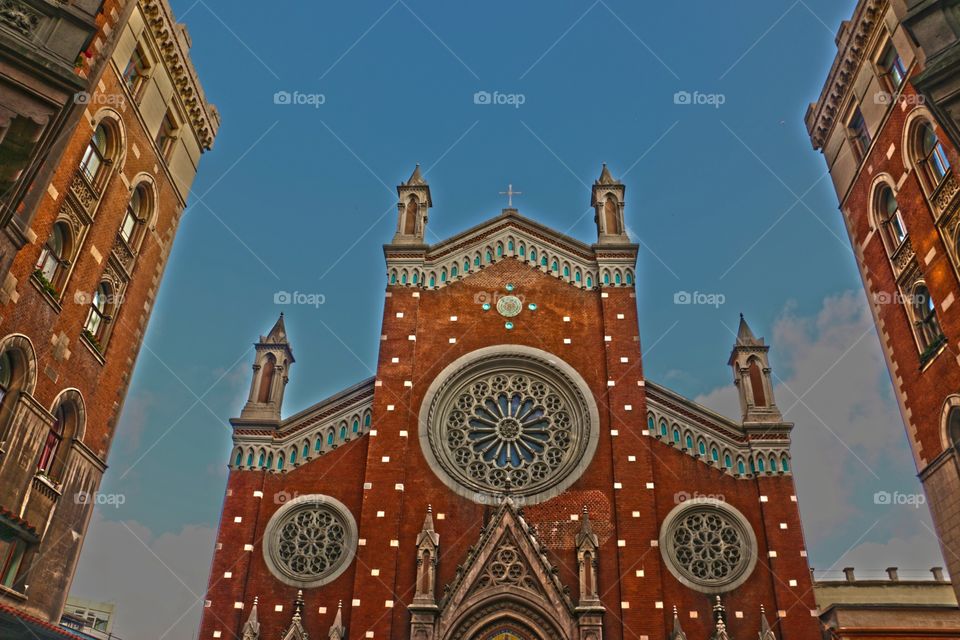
<point x="727" y="199"/>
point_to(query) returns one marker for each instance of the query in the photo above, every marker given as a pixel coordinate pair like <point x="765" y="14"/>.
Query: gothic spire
<point x="720" y="617"/>
<point x="416" y="178"/>
<point x="277" y="335"/>
<point x="766" y="633"/>
<point x="296" y="631"/>
<point x="677" y="633"/>
<point x="605" y="177"/>
<point x="745" y="337"/>
<point x="337" y="630"/>
<point x="251" y="628"/>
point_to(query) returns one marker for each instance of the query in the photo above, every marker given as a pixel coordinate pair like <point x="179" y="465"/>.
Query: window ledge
<point x="13" y="593"/>
<point x="48" y="297"/>
<point x="931" y="353"/>
<point x="92" y="348"/>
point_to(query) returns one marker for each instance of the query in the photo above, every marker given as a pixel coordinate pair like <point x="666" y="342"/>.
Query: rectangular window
<point x="891" y="66"/>
<point x="11" y="555"/>
<point x="136" y="71"/>
<point x="859" y="135"/>
<point x="167" y="135"/>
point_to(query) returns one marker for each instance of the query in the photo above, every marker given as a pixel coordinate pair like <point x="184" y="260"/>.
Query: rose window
<point x="710" y="546"/>
<point x="310" y="541"/>
<point x="509" y="427"/>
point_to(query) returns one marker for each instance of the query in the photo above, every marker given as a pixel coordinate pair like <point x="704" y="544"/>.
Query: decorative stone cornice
<point x="204" y="117"/>
<point x="852" y="43"/>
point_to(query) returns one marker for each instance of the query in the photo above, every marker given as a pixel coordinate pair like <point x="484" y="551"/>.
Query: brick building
<point x="509" y="472"/>
<point x="893" y="165"/>
<point x="78" y="295"/>
<point x="45" y="63"/>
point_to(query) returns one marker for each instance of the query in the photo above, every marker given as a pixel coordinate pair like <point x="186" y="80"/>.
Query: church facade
<point x="509" y="472"/>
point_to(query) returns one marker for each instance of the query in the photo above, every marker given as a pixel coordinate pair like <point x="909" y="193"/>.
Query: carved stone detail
<point x="946" y="193"/>
<point x="19" y="17"/>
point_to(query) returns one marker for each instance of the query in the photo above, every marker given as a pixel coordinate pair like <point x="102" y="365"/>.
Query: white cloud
<point x="849" y="441"/>
<point x="157" y="582"/>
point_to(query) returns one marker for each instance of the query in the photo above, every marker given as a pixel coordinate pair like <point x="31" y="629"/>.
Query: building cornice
<point x="852" y="44"/>
<point x="203" y="116"/>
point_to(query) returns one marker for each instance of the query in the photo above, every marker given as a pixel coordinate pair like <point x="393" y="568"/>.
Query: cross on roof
<point x="510" y="193"/>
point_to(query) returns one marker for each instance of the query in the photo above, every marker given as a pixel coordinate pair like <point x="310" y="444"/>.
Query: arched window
<point x="727" y="462"/>
<point x="410" y="216"/>
<point x="566" y="271"/>
<point x="933" y="158"/>
<point x="676" y="436"/>
<point x="617" y="279"/>
<point x="95" y="155"/>
<point x="330" y="437"/>
<point x="756" y="383"/>
<point x="702" y="448"/>
<point x="356" y="426"/>
<point x="280" y="461"/>
<point x="499" y="250"/>
<point x="453" y="271"/>
<point x="891" y="219"/>
<point x="925" y="319"/>
<point x="262" y="458"/>
<point x="523" y="251"/>
<point x="135" y="217"/>
<point x="554" y="267"/>
<point x="319" y="444"/>
<point x="785" y="464"/>
<point x="433" y="280"/>
<point x="52" y="443"/>
<point x="55" y="258"/>
<point x="715" y="455"/>
<point x="773" y="464"/>
<point x="306" y="450"/>
<point x="343" y="432"/>
<point x="651" y="424"/>
<point x="589" y="281"/>
<point x="293" y="455"/>
<point x="489" y="257"/>
<point x="610" y="225"/>
<point x="606" y="277"/>
<point x="741" y="469"/>
<point x="533" y="255"/>
<point x="760" y="465"/>
<point x="239" y="459"/>
<point x="629" y="277"/>
<point x="270" y="460"/>
<point x="443" y="276"/>
<point x="476" y="260"/>
<point x="101" y="307"/>
<point x="689" y="442"/>
<point x="663" y="428"/>
<point x="393" y="278"/>
<point x="543" y="261"/>
<point x="577" y="277"/>
<point x="250" y="458"/>
<point x="366" y="420"/>
<point x="267" y="372"/>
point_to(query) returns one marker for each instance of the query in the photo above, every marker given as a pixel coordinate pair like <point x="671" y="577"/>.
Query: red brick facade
<point x="629" y="487"/>
<point x="44" y="321"/>
<point x="925" y="374"/>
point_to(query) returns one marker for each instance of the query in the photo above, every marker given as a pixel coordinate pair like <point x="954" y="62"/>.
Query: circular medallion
<point x="310" y="541"/>
<point x="509" y="419"/>
<point x="509" y="306"/>
<point x="708" y="545"/>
